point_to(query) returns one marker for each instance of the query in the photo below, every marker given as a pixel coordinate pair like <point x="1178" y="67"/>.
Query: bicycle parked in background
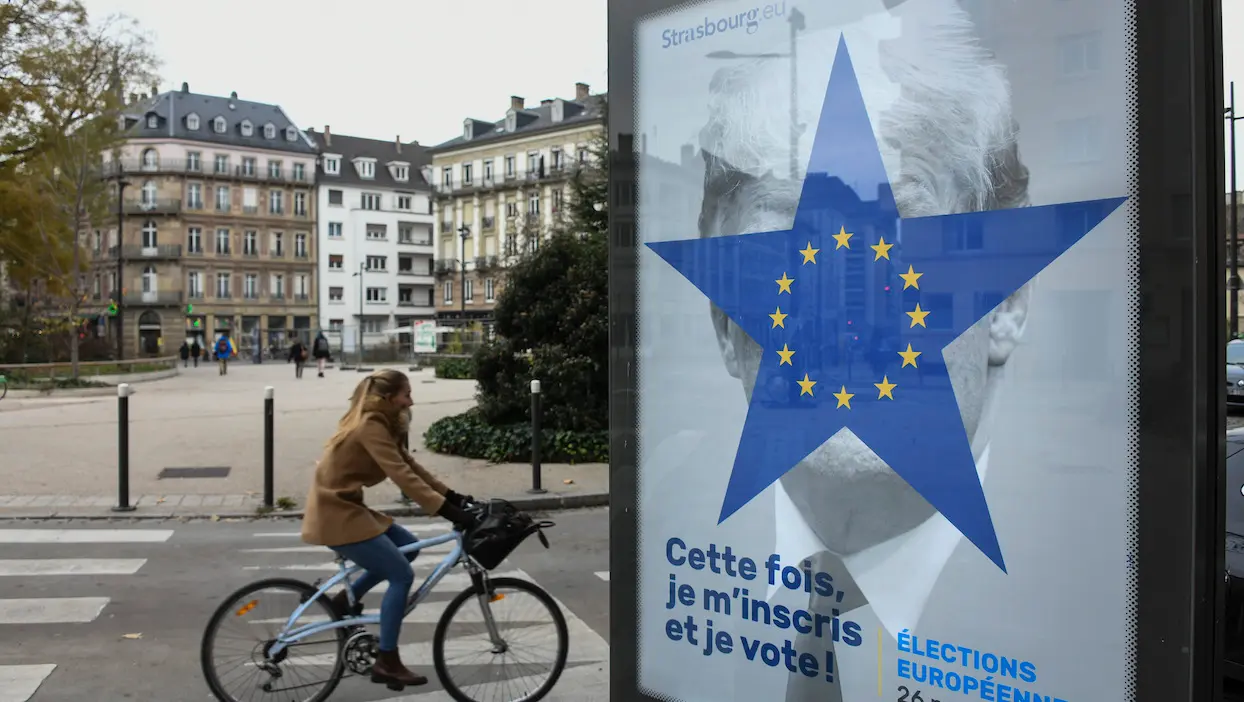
<point x="268" y="656"/>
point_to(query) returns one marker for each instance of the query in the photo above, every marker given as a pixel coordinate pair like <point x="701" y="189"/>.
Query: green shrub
<point x="455" y="369"/>
<point x="469" y="435"/>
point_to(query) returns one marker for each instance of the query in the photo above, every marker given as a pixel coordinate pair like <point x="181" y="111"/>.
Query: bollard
<point x="269" y="441"/>
<point x="535" y="439"/>
<point x="123" y="449"/>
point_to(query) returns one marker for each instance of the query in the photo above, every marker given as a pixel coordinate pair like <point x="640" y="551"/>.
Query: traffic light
<point x="112" y="309"/>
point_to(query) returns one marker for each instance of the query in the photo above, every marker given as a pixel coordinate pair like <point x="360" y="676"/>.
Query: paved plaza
<point x="63" y="450"/>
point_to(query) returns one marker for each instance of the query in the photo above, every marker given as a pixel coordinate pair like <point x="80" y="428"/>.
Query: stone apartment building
<point x="497" y="189"/>
<point x="217" y="225"/>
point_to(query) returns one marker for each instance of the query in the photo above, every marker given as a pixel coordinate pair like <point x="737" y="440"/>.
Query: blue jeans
<point x="381" y="560"/>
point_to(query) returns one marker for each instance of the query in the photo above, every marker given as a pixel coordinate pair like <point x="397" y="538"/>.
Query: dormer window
<point x="219" y="126"/>
<point x="401" y="173"/>
<point x="269" y="131"/>
<point x="153" y="121"/>
<point x="247" y="128"/>
<point x="291" y="134"/>
<point x="366" y="169"/>
<point x="559" y="110"/>
<point x="467" y="128"/>
<point x="511" y="121"/>
<point x="192" y="121"/>
<point x="332" y="165"/>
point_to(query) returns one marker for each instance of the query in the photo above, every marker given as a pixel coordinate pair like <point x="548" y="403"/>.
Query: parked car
<point x="1235" y="373"/>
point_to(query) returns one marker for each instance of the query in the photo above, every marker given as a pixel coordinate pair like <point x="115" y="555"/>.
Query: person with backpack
<point x="224" y="350"/>
<point x="320" y="349"/>
<point x="298" y="354"/>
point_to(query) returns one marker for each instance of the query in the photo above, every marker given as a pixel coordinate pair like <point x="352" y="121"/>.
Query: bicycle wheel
<point x="291" y="676"/>
<point x="472" y="654"/>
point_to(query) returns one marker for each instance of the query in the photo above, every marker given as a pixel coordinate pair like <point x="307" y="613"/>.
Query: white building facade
<point x="376" y="260"/>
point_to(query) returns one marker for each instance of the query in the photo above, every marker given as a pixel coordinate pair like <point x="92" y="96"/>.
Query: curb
<point x="543" y="503"/>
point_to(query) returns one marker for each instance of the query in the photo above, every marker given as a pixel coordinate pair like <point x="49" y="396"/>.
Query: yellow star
<point x="784" y="284"/>
<point x="778" y="317"/>
<point x="918" y="316"/>
<point x="785" y="353"/>
<point x="910" y="278"/>
<point x="844" y="397"/>
<point x="809" y="254"/>
<point x="805" y="386"/>
<point x="882" y="249"/>
<point x="842" y="237"/>
<point x="909" y="357"/>
<point x="884" y="388"/>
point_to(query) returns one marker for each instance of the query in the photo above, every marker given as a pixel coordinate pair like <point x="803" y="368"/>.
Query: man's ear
<point x="1007" y="324"/>
<point x="725" y="344"/>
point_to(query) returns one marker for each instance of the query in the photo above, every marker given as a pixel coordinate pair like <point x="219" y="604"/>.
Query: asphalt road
<point x="115" y="611"/>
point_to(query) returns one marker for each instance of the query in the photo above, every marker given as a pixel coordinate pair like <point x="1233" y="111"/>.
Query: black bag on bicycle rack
<point x="500" y="530"/>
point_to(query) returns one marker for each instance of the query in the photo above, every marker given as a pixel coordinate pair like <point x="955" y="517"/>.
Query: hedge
<point x="456" y="369"/>
<point x="468" y="435"/>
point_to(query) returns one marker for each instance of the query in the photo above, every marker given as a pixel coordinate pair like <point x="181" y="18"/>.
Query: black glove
<point x="461" y="519"/>
<point x="457" y="499"/>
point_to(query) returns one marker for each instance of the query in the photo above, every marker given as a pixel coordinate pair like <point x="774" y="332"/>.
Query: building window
<point x="509" y="166"/>
<point x="276" y="202"/>
<point x="300" y="204"/>
<point x="533" y="162"/>
<point x="300" y="172"/>
<point x="447" y="292"/>
<point x="447" y="176"/>
<point x="406" y="234"/>
<point x="150" y="234"/>
<point x="377" y="294"/>
<point x="336" y="324"/>
<point x="223" y="289"/>
<point x="403" y="202"/>
<point x="148" y="194"/>
<point x="490" y="290"/>
<point x="194" y="240"/>
<point x="377" y="232"/>
<point x="194" y="285"/>
<point x="1080" y="54"/>
<point x="269" y="131"/>
<point x="555" y="155"/>
<point x="150" y="283"/>
<point x="97" y="288"/>
<point x="1081" y="140"/>
<point x="278" y="244"/>
<point x="151" y="159"/>
<point x="511" y="209"/>
<point x="401" y="173"/>
<point x="302" y="290"/>
<point x="334" y="197"/>
<point x="278" y="286"/>
<point x="533" y="203"/>
<point x="487" y="170"/>
<point x="250" y="243"/>
<point x="378" y="263"/>
<point x="468" y="294"/>
<point x="367" y="169"/>
<point x="220" y="164"/>
<point x="371" y="201"/>
<point x="332" y="166"/>
<point x="300" y="245"/>
<point x="291" y="134"/>
<point x="250" y="286"/>
<point x="222" y="241"/>
<point x="582" y="154"/>
<point x="248" y="166"/>
<point x="336" y="294"/>
<point x="248" y="129"/>
<point x="557" y="199"/>
<point x="194" y="161"/>
<point x="218" y="124"/>
<point x="336" y="262"/>
<point x="334" y="230"/>
<point x="222" y="198"/>
<point x="192" y="121"/>
<point x="274" y="169"/>
<point x="194" y="196"/>
<point x="466" y="173"/>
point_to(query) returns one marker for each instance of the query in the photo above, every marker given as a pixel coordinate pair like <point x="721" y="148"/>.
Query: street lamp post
<point x="1233" y="284"/>
<point x="120" y="286"/>
<point x="464" y="232"/>
<point x="796" y="24"/>
<point x="362" y="296"/>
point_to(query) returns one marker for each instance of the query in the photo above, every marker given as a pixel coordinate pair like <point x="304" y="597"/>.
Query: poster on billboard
<point x="425" y="336"/>
<point x="885" y="298"/>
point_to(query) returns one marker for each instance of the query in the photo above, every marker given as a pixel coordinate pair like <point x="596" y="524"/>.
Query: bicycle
<point x="352" y="649"/>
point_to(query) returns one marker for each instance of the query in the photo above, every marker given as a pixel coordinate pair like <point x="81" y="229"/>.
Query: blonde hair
<point x="373" y="394"/>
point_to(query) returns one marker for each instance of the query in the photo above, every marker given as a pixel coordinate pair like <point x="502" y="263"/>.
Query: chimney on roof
<point x="399" y="143"/>
<point x="328" y="136"/>
<point x="233" y="95"/>
<point x="581" y="91"/>
<point x="516" y="102"/>
<point x="546" y="103"/>
<point x="185" y="87"/>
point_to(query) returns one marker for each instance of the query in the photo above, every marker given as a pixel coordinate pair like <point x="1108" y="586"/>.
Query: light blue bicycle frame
<point x="456" y="555"/>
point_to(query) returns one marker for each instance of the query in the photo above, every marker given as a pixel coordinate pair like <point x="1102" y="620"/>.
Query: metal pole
<point x="362" y="296"/>
<point x="123" y="449"/>
<point x="462" y="235"/>
<point x="269" y="444"/>
<point x="794" y="107"/>
<point x="535" y="439"/>
<point x="1234" y="283"/>
<point x="119" y="317"/>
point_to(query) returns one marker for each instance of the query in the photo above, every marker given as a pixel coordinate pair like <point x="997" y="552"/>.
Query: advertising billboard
<point x="878" y="333"/>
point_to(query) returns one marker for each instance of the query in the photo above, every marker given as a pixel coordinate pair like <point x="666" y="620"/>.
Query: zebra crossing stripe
<point x="84" y="536"/>
<point x="19" y="683"/>
<point x="70" y="566"/>
<point x="51" y="610"/>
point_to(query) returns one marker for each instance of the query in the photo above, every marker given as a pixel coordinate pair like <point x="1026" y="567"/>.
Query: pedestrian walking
<point x="298" y="354"/>
<point x="184" y="352"/>
<point x="321" y="350"/>
<point x="195" y="352"/>
<point x="224" y="350"/>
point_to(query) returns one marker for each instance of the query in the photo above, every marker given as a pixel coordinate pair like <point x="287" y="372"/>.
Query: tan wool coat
<point x="335" y="514"/>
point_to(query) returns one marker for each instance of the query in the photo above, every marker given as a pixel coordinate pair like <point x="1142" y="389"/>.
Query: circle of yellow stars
<point x="842" y="240"/>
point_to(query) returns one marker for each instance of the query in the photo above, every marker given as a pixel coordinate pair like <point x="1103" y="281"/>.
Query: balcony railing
<point x="157" y="206"/>
<point x="446" y="265"/>
<point x="415" y="241"/>
<point x="302" y="297"/>
<point x="487" y="223"/>
<point x="170" y="297"/>
<point x="177" y="166"/>
<point x="133" y="251"/>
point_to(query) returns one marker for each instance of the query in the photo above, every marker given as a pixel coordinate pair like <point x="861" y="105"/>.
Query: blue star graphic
<point x="850" y="281"/>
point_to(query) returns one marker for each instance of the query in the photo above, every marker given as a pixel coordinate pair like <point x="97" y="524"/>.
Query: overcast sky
<point x="377" y="68"/>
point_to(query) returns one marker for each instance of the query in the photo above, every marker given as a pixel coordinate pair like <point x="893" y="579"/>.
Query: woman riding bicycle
<point x="365" y="450"/>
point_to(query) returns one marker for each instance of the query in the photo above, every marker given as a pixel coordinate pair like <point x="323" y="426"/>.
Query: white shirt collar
<point x="897" y="576"/>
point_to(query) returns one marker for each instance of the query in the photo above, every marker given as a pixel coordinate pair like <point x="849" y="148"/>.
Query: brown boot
<point x="341" y="603"/>
<point x="390" y="671"/>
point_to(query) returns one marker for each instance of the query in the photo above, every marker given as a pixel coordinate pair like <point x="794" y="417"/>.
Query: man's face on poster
<point x="949" y="163"/>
